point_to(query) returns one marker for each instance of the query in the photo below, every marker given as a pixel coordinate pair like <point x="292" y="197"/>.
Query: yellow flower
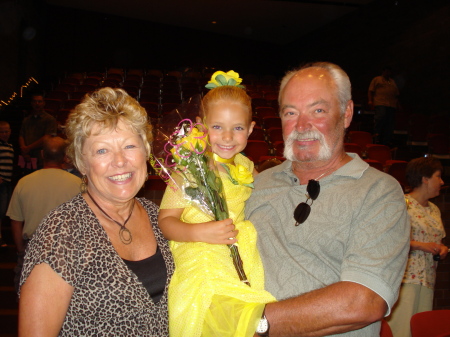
<point x="195" y="140"/>
<point x="228" y="75"/>
<point x="241" y="174"/>
<point x="175" y="155"/>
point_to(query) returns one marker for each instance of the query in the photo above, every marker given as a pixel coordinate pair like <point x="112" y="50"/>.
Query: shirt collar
<point x="353" y="169"/>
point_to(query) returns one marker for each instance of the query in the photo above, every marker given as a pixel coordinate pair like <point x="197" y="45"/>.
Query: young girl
<point x="206" y="297"/>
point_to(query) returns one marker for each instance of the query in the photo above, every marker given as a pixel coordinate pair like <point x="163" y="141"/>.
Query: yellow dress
<point x="206" y="297"/>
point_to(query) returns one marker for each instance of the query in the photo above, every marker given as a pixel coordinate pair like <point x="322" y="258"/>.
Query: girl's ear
<point x="250" y="129"/>
<point x="198" y="119"/>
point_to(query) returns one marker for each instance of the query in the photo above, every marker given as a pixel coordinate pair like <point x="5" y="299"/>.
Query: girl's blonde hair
<point x="226" y="93"/>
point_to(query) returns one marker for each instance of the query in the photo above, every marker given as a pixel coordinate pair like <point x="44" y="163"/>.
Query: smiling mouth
<point x="307" y="140"/>
<point x="226" y="147"/>
<point x="121" y="177"/>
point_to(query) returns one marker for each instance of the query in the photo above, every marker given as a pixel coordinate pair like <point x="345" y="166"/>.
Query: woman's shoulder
<point x="148" y="204"/>
<point x="72" y="211"/>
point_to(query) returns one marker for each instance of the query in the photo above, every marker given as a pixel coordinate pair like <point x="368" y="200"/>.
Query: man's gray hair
<point x="340" y="77"/>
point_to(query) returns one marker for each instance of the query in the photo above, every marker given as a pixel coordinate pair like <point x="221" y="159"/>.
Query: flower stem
<point x="237" y="261"/>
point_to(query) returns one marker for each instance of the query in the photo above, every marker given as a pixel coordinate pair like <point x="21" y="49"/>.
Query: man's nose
<point x="303" y="123"/>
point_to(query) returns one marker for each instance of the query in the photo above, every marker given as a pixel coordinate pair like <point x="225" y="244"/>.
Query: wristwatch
<point x="263" y="326"/>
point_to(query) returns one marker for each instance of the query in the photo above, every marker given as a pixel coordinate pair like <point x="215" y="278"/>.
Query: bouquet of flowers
<point x="184" y="162"/>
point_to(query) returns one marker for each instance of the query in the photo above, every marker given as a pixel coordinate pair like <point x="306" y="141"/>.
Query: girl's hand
<point x="216" y="232"/>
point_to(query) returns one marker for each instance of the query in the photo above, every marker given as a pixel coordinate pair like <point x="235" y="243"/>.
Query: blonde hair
<point x="226" y="93"/>
<point x="105" y="108"/>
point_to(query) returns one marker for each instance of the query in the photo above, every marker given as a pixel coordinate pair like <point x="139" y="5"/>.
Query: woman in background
<point x="427" y="232"/>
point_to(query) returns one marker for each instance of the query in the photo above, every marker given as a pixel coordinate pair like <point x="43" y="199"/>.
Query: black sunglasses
<point x="303" y="209"/>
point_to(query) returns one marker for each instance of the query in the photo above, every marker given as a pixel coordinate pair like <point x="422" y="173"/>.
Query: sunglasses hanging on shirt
<point x="303" y="209"/>
<point x="301" y="212"/>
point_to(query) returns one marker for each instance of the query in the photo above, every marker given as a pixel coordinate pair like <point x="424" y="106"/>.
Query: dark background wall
<point x="413" y="37"/>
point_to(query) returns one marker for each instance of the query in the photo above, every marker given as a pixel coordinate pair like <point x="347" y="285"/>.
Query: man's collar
<point x="354" y="168"/>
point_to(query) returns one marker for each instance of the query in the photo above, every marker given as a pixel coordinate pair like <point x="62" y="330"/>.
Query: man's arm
<point x="17" y="229"/>
<point x="35" y="145"/>
<point x="337" y="308"/>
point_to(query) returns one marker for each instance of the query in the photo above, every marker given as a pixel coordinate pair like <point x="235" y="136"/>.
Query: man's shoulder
<point x="50" y="173"/>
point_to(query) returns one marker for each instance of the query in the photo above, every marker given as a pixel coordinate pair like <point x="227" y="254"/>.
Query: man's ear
<point x="348" y="114"/>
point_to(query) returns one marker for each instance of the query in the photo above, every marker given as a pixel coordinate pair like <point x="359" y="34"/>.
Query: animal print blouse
<point x="108" y="298"/>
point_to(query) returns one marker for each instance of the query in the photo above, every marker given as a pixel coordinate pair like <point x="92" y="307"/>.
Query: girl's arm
<point x="215" y="232"/>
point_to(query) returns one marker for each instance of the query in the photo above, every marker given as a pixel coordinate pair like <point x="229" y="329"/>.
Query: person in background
<point x="332" y="232"/>
<point x="98" y="265"/>
<point x="6" y="172"/>
<point x="424" y="176"/>
<point x="37" y="194"/>
<point x="36" y="127"/>
<point x="383" y="97"/>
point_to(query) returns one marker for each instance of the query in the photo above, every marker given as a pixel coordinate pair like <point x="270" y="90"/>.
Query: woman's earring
<point x="84" y="183"/>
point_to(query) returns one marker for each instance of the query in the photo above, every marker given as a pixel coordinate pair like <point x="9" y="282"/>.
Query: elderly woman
<point x="427" y="231"/>
<point x="98" y="264"/>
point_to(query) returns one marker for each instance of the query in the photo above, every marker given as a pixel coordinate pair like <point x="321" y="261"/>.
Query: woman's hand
<point x="428" y="247"/>
<point x="443" y="251"/>
<point x="216" y="232"/>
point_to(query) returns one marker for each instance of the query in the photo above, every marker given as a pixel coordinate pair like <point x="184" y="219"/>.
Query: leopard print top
<point x="108" y="298"/>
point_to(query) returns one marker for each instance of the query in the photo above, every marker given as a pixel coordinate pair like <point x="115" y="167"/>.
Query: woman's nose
<point x="119" y="158"/>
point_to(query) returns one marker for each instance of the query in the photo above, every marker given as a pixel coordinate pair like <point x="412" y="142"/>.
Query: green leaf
<point x="225" y="166"/>
<point x="211" y="180"/>
<point x="232" y="82"/>
<point x="210" y="86"/>
<point x="221" y="79"/>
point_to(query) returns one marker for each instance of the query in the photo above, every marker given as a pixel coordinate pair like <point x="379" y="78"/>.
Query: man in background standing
<point x="37" y="194"/>
<point x="383" y="96"/>
<point x="36" y="127"/>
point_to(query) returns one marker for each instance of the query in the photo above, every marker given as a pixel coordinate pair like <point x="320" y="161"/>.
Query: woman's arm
<point x="427" y="247"/>
<point x="443" y="251"/>
<point x="215" y="232"/>
<point x="44" y="300"/>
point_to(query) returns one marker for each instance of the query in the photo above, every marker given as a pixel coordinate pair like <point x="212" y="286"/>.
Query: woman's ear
<point x="425" y="180"/>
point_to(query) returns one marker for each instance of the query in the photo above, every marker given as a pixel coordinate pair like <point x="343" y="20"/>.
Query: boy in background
<point x="6" y="171"/>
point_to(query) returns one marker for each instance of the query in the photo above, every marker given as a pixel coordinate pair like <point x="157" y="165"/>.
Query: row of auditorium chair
<point x="438" y="144"/>
<point x="434" y="323"/>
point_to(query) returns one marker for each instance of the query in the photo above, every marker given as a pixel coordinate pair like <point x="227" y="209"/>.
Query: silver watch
<point x="263" y="327"/>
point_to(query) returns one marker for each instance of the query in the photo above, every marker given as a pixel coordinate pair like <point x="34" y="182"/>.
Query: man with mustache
<point x="332" y="232"/>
